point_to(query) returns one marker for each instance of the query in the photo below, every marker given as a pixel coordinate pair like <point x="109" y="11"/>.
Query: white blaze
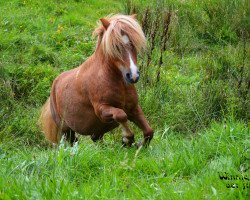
<point x="133" y="67"/>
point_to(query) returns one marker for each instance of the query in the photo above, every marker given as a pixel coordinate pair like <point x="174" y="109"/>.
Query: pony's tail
<point x="48" y="125"/>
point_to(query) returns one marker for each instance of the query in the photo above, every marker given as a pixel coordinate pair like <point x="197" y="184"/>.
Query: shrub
<point x="31" y="84"/>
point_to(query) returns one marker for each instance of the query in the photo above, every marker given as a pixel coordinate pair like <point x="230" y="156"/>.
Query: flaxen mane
<point x="111" y="40"/>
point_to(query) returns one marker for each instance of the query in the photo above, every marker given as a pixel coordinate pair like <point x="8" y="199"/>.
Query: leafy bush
<point x="31" y="84"/>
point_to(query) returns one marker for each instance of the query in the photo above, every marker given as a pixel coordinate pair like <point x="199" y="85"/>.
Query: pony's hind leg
<point x="48" y="125"/>
<point x="97" y="137"/>
<point x="70" y="136"/>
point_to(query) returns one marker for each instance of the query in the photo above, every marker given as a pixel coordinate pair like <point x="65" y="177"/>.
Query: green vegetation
<point x="173" y="167"/>
<point x="194" y="91"/>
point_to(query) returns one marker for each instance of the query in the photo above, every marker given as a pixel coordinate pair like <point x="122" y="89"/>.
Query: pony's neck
<point x="107" y="64"/>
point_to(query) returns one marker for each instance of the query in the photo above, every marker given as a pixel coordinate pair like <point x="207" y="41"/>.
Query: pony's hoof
<point x="128" y="141"/>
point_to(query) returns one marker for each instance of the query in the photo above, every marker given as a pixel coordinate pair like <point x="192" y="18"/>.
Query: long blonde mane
<point x="110" y="40"/>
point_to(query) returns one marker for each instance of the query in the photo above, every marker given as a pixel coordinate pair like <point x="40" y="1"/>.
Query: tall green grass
<point x="196" y="64"/>
<point x="173" y="167"/>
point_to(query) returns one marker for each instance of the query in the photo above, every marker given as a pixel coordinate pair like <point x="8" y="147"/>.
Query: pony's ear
<point x="105" y="23"/>
<point x="133" y="16"/>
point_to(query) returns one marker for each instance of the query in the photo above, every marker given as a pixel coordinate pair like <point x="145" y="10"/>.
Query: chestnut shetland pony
<point x="100" y="95"/>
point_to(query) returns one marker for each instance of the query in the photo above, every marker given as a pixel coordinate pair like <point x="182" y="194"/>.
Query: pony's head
<point x="120" y="38"/>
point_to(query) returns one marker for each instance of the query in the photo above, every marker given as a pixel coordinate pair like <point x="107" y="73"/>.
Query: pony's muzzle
<point x="132" y="78"/>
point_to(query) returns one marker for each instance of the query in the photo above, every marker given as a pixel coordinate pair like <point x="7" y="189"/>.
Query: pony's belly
<point x="89" y="125"/>
<point x="97" y="129"/>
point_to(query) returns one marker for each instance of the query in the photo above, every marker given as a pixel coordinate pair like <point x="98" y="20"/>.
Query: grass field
<point x="173" y="167"/>
<point x="199" y="107"/>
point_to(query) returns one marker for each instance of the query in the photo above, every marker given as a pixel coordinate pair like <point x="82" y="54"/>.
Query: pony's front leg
<point x="108" y="114"/>
<point x="137" y="116"/>
<point x="128" y="137"/>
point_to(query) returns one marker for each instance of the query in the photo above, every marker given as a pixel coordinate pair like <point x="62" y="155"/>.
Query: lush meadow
<point x="194" y="91"/>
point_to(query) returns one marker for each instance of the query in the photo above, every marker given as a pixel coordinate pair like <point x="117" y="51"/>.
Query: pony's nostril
<point x="128" y="75"/>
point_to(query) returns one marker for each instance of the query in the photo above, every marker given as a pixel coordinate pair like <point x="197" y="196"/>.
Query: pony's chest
<point x="126" y="98"/>
<point x="131" y="100"/>
<point x="120" y="100"/>
<point x="116" y="94"/>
